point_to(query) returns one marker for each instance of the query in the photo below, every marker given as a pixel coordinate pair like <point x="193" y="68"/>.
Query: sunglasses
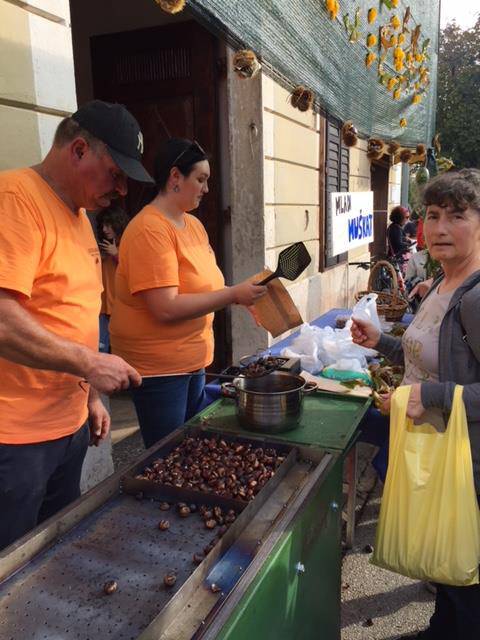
<point x="192" y="147"/>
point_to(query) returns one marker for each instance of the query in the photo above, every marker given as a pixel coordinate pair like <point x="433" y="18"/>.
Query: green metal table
<point x="285" y="601"/>
<point x="329" y="422"/>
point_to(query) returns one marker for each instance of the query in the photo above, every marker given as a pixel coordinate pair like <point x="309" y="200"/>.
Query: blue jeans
<point x="375" y="429"/>
<point x="164" y="403"/>
<point x="37" y="480"/>
<point x="104" y="346"/>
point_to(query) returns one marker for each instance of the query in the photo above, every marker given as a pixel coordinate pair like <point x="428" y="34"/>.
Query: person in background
<point x="167" y="288"/>
<point x="441" y="349"/>
<point x="420" y="236"/>
<point x="50" y="286"/>
<point x="111" y="223"/>
<point x="397" y="242"/>
<point x="410" y="227"/>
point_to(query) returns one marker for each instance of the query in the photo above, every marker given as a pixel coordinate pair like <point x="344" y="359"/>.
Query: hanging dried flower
<point x="401" y="38"/>
<point x="405" y="155"/>
<point x="349" y="134"/>
<point x="391" y="83"/>
<point x="375" y="148"/>
<point x="302" y="98"/>
<point x="171" y="6"/>
<point x="395" y="22"/>
<point x="399" y="66"/>
<point x="403" y="123"/>
<point x="333" y="8"/>
<point x="398" y="53"/>
<point x="397" y="94"/>
<point x="370" y="58"/>
<point x="419" y="57"/>
<point x="245" y="63"/>
<point x="421" y="149"/>
<point x="372" y="15"/>
<point x="371" y="40"/>
<point x="393" y="147"/>
<point x="393" y="41"/>
<point x="394" y="3"/>
<point x="417" y="98"/>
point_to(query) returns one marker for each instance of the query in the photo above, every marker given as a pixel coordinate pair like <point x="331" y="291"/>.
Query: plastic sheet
<point x="429" y="525"/>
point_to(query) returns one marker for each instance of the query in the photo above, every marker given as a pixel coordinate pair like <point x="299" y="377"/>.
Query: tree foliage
<point x="458" y="107"/>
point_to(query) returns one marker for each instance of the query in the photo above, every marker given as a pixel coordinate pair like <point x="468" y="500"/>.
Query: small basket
<point x="389" y="304"/>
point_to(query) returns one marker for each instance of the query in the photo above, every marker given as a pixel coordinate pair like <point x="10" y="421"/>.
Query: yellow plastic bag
<point x="429" y="525"/>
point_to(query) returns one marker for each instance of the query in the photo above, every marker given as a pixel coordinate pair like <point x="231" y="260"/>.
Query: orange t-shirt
<point x="49" y="256"/>
<point x="155" y="253"/>
<point x="109" y="266"/>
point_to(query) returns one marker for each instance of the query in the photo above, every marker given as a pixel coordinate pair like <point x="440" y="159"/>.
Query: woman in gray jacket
<point x="441" y="348"/>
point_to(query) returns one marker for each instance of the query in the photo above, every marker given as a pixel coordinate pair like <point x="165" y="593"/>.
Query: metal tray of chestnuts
<point x="163" y="561"/>
<point x="200" y="467"/>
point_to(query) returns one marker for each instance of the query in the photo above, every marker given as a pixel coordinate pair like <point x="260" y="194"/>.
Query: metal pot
<point x="269" y="404"/>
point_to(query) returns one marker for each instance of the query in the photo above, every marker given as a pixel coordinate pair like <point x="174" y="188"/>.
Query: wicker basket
<point x="389" y="303"/>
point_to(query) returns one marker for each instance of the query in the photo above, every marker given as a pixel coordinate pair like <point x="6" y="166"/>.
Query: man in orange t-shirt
<point x="49" y="304"/>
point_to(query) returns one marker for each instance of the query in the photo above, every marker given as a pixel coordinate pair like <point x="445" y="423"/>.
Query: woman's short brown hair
<point x="458" y="190"/>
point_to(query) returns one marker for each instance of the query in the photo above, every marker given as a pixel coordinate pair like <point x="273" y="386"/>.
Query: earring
<point x="176" y="188"/>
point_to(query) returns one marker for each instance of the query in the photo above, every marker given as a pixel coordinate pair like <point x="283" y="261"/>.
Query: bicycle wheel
<point x="383" y="280"/>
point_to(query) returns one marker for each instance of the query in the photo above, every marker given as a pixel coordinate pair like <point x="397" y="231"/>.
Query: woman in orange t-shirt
<point x="167" y="288"/>
<point x="111" y="223"/>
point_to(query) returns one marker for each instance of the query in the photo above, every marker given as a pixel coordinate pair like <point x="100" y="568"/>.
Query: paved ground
<point x="376" y="604"/>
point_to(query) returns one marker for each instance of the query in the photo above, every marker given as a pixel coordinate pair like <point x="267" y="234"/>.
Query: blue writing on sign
<point x="360" y="227"/>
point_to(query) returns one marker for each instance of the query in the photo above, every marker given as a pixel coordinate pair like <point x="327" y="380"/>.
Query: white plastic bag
<point x="318" y="347"/>
<point x="366" y="309"/>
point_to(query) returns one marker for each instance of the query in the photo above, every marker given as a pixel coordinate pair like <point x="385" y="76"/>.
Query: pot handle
<point x="228" y="390"/>
<point x="309" y="387"/>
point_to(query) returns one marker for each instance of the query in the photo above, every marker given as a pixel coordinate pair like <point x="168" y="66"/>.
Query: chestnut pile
<point x="215" y="466"/>
<point x="262" y="366"/>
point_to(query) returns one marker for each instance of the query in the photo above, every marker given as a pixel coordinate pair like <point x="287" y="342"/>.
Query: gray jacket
<point x="458" y="360"/>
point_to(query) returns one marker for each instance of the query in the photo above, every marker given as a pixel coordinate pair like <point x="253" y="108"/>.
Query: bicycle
<point x="383" y="280"/>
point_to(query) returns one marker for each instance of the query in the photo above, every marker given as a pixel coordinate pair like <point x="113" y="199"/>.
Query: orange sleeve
<point x="152" y="260"/>
<point x="20" y="245"/>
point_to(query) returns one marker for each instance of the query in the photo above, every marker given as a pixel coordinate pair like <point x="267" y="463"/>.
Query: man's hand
<point x="98" y="419"/>
<point x="415" y="407"/>
<point x="108" y="373"/>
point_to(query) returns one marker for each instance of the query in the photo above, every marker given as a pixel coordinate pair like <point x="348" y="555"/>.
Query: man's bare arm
<point x="24" y="341"/>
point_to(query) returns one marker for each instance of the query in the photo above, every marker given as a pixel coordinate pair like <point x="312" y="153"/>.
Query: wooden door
<point x="166" y="77"/>
<point x="379" y="172"/>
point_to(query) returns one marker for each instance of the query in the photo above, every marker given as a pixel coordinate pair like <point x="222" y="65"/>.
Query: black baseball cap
<point x="119" y="131"/>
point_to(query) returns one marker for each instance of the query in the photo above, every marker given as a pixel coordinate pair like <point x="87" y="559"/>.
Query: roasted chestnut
<point x="164" y="506"/>
<point x="169" y="579"/>
<point x="163" y="525"/>
<point x="110" y="587"/>
<point x="211" y="523"/>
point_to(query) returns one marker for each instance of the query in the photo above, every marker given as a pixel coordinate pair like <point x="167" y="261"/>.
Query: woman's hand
<point x="415" y="407"/>
<point x="420" y="289"/>
<point x="247" y="293"/>
<point x="110" y="248"/>
<point x="383" y="402"/>
<point x="364" y="333"/>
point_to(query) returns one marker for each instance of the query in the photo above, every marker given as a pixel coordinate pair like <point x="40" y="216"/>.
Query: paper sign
<point x="352" y="220"/>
